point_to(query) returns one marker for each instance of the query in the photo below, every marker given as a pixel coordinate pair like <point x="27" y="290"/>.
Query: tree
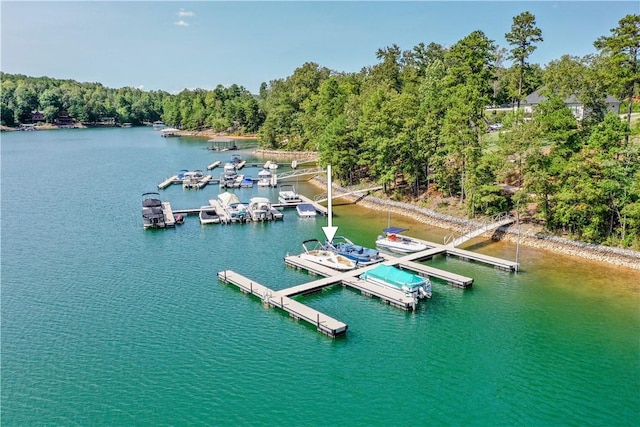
<point x="522" y="37"/>
<point x="468" y="86"/>
<point x="388" y="71"/>
<point x="621" y="50"/>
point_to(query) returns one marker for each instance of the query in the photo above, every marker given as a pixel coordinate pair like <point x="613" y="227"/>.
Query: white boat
<point x="235" y="210"/>
<point x="191" y="179"/>
<point x="391" y="277"/>
<point x="230" y="169"/>
<point x="264" y="178"/>
<point x="393" y="241"/>
<point x="360" y="254"/>
<point x="208" y="215"/>
<point x="166" y="132"/>
<point x="288" y="195"/>
<point x="321" y="256"/>
<point x="247" y="182"/>
<point x="158" y="125"/>
<point x="259" y="208"/>
<point x="229" y="176"/>
<point x="306" y="210"/>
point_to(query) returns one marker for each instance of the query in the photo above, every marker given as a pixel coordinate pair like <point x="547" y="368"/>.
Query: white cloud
<point x="141" y="87"/>
<point x="183" y="12"/>
<point x="181" y="23"/>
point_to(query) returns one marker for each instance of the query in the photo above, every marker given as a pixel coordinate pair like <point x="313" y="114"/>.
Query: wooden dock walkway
<point x="225" y="218"/>
<point x="214" y="165"/>
<point x="167" y="182"/>
<point x="500" y="263"/>
<point x="169" y="218"/>
<point x="463" y="254"/>
<point x="323" y="323"/>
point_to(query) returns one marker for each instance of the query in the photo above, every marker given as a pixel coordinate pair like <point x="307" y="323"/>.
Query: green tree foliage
<point x="522" y="37"/>
<point x="468" y="89"/>
<point x="621" y="51"/>
<point x="232" y="108"/>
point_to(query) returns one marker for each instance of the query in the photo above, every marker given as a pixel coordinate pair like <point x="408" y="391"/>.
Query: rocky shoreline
<point x="529" y="236"/>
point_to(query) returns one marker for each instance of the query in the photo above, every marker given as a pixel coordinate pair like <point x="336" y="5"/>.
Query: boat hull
<point x="329" y="259"/>
<point x="404" y="246"/>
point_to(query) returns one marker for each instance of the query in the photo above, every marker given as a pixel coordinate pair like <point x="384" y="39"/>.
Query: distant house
<point x="37" y="116"/>
<point x="578" y="109"/>
<point x="64" y="119"/>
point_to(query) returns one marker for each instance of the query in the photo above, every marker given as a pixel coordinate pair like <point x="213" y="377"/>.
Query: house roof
<point x="536" y="98"/>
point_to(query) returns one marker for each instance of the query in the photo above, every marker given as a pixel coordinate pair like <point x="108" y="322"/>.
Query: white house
<point x="577" y="107"/>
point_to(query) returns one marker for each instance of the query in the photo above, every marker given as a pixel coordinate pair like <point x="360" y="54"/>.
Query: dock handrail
<point x="299" y="172"/>
<point x="487" y="224"/>
<point x="319" y="198"/>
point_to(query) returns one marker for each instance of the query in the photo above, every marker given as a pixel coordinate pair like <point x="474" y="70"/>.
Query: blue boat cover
<point x="394" y="230"/>
<point x="394" y="276"/>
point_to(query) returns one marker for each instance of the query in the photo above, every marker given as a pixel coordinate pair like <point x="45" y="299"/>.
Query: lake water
<point x="105" y="323"/>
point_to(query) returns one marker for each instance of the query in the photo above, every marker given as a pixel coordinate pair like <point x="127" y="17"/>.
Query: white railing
<point x="486" y="225"/>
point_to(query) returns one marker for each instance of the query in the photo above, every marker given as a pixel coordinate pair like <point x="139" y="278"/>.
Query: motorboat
<point x="158" y="125"/>
<point x="264" y="178"/>
<point x="322" y="256"/>
<point x="260" y="209"/>
<point x="235" y="210"/>
<point x="288" y="195"/>
<point x="306" y="210"/>
<point x="168" y="132"/>
<point x="191" y="179"/>
<point x="236" y="160"/>
<point x="393" y="241"/>
<point x="209" y="215"/>
<point x="394" y="278"/>
<point x="361" y="255"/>
<point x="230" y="169"/>
<point x="152" y="211"/>
<point x="229" y="176"/>
<point x="247" y="182"/>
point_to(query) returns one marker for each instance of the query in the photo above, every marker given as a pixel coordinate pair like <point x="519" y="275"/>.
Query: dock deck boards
<point x="169" y="219"/>
<point x="323" y="323"/>
<point x="487" y="259"/>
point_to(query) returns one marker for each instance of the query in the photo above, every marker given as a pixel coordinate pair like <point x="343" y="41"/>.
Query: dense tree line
<point x="85" y="102"/>
<point x="220" y="109"/>
<point x="420" y="116"/>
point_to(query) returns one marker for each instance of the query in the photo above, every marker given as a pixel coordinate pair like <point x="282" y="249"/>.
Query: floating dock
<point x="169" y="218"/>
<point x="332" y="327"/>
<point x="214" y="165"/>
<point x="167" y="182"/>
<point x="323" y="323"/>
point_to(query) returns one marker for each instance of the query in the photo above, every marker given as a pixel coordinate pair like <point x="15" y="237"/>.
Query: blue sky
<point x="168" y="45"/>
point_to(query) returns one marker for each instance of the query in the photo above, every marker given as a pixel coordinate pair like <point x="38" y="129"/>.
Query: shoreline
<point x="529" y="236"/>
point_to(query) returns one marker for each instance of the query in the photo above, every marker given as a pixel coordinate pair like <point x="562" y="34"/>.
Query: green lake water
<point x="105" y="323"/>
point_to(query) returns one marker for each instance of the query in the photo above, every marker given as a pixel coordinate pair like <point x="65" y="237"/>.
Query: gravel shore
<point x="529" y="236"/>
